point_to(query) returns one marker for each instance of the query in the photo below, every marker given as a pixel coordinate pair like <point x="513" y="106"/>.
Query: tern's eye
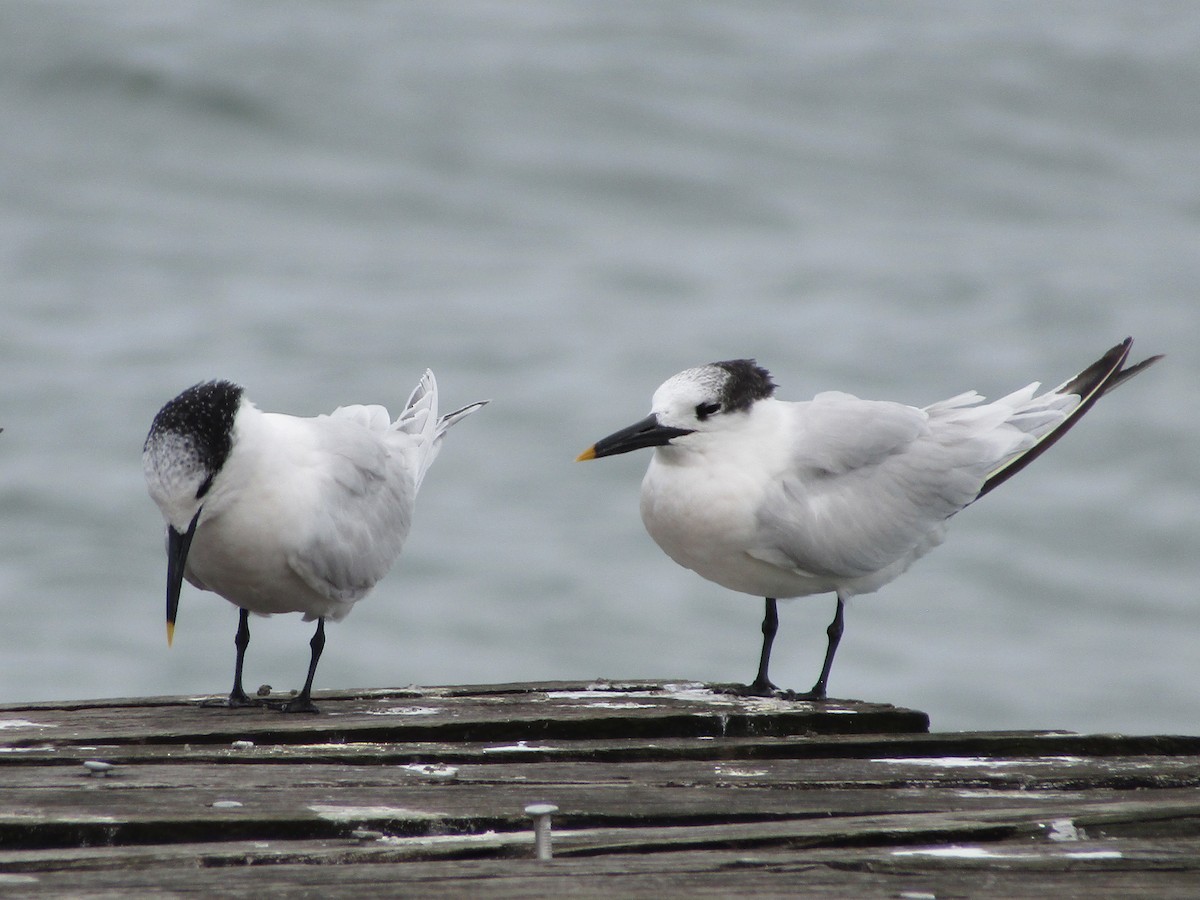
<point x="204" y="486"/>
<point x="704" y="410"/>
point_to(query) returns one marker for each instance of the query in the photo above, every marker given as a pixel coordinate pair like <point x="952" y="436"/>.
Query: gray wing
<point x="868" y="484"/>
<point x="363" y="501"/>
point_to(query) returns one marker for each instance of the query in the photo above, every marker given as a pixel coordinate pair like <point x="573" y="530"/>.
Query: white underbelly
<point x="710" y="527"/>
<point x="250" y="569"/>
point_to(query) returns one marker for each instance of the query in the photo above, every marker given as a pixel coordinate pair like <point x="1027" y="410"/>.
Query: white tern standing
<point x="282" y="514"/>
<point x="837" y="494"/>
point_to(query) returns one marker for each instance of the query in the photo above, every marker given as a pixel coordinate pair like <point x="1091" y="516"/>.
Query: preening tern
<point x="283" y="514"/>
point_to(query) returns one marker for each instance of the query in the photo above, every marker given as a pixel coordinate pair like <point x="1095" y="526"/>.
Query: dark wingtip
<point x="1106" y="373"/>
<point x="1106" y="367"/>
<point x="1128" y="372"/>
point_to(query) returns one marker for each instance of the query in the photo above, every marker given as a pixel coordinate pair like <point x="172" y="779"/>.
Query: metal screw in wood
<point x="541" y="813"/>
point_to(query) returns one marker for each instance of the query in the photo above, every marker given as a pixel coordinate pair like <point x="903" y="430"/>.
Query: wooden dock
<point x="662" y="790"/>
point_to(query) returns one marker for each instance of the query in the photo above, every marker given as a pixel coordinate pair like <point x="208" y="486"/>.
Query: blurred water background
<point x="557" y="206"/>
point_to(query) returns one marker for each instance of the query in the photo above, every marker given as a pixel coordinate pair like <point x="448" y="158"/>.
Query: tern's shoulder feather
<point x="870" y="485"/>
<point x="368" y="471"/>
<point x="371" y="417"/>
<point x="837" y="433"/>
<point x="362" y="493"/>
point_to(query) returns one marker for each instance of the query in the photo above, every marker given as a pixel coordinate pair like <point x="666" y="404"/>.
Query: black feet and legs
<point x="762" y="686"/>
<point x="237" y="697"/>
<point x="302" y="702"/>
<point x="834" y="631"/>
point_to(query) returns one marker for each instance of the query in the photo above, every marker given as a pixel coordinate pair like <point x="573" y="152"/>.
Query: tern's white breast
<point x="281" y="490"/>
<point x="700" y="503"/>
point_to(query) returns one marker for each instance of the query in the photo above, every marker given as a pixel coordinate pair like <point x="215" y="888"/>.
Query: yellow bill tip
<point x="589" y="453"/>
<point x="170" y="633"/>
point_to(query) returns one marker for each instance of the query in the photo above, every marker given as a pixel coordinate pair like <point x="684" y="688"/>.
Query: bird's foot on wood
<point x="768" y="690"/>
<point x="814" y="694"/>
<point x="755" y="688"/>
<point x="236" y="700"/>
<point x="301" y="703"/>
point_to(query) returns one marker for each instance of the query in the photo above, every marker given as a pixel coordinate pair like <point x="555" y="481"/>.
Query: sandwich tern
<point x="282" y="514"/>
<point x="781" y="499"/>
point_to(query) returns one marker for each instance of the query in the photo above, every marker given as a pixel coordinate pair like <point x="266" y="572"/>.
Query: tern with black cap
<point x="282" y="514"/>
<point x="834" y="495"/>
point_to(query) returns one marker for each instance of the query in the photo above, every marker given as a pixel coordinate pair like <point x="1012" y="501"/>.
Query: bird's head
<point x="695" y="402"/>
<point x="188" y="443"/>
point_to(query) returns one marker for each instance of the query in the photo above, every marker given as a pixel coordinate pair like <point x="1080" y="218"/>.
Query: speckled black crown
<point x="203" y="415"/>
<point x="747" y="382"/>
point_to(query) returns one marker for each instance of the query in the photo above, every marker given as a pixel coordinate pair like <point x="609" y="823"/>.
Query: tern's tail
<point x="1087" y="387"/>
<point x="420" y="419"/>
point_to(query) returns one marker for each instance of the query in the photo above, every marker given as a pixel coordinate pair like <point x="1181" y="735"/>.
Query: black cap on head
<point x="202" y="415"/>
<point x="747" y="382"/>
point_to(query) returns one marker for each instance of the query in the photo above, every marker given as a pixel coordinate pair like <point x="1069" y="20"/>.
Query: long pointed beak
<point x="177" y="551"/>
<point x="646" y="433"/>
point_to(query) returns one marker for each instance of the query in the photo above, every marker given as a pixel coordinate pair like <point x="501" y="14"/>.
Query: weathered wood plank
<point x="1035" y="830"/>
<point x="663" y="791"/>
<point x="1054" y="773"/>
<point x="579" y="847"/>
<point x="331" y="809"/>
<point x="956" y="753"/>
<point x="569" y="711"/>
<point x="1160" y="870"/>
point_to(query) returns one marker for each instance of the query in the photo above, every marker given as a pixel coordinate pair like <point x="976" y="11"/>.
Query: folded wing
<point x="371" y="469"/>
<point x="871" y="484"/>
<point x="364" y="501"/>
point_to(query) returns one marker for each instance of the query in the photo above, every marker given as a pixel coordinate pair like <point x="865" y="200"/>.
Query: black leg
<point x="761" y="686"/>
<point x="241" y="641"/>
<point x="835" y="636"/>
<point x="237" y="697"/>
<point x="302" y="702"/>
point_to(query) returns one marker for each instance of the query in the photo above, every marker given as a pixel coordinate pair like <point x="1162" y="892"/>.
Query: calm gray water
<point x="557" y="206"/>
